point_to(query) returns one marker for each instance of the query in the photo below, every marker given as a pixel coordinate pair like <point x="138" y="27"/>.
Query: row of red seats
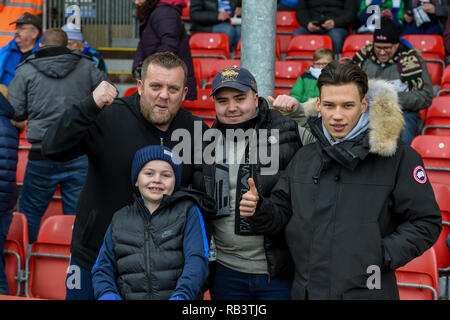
<point x="40" y="273"/>
<point x="43" y="274"/>
<point x="302" y="47"/>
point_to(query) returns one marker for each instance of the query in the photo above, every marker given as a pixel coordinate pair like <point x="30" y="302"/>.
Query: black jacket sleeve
<point x="273" y="213"/>
<point x="66" y="138"/>
<point x="417" y="211"/>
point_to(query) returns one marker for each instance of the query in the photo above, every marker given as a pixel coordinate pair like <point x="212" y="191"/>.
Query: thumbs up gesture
<point x="249" y="201"/>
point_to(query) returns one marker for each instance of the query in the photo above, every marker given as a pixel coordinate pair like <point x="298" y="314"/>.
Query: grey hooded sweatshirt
<point x="46" y="84"/>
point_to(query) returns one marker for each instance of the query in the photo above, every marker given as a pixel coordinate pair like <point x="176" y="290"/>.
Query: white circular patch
<point x="419" y="175"/>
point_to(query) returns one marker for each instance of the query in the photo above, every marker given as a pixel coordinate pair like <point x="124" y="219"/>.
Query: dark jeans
<point x="78" y="282"/>
<point x="40" y="182"/>
<point x="5" y="222"/>
<point x="234" y="285"/>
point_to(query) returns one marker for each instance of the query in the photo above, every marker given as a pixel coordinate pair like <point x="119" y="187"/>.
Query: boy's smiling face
<point x="155" y="179"/>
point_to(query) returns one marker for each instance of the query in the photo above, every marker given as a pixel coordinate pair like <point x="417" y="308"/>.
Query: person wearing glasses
<point x="390" y="59"/>
<point x="27" y="38"/>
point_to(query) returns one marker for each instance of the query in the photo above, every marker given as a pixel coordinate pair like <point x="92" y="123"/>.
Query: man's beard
<point x="157" y="121"/>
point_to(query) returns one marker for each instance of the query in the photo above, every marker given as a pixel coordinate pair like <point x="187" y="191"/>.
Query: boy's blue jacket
<point x="194" y="243"/>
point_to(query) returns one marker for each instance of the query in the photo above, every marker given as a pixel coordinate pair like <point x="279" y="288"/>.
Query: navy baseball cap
<point x="237" y="78"/>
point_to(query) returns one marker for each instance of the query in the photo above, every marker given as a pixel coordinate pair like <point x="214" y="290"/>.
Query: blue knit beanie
<point x="73" y="32"/>
<point x="156" y="152"/>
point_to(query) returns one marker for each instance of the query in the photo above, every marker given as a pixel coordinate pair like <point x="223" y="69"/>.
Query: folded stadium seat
<point x="432" y="49"/>
<point x="418" y="279"/>
<point x="216" y="67"/>
<point x="185" y="16"/>
<point x="353" y="43"/>
<point x="435" y="151"/>
<point x="286" y="24"/>
<point x="54" y="208"/>
<point x="237" y="52"/>
<point x="209" y="45"/>
<point x="445" y="82"/>
<point x="203" y="107"/>
<point x="48" y="261"/>
<point x="204" y="68"/>
<point x="287" y="72"/>
<point x="15" y="252"/>
<point x="302" y="47"/>
<point x="437" y="120"/>
<point x="22" y="160"/>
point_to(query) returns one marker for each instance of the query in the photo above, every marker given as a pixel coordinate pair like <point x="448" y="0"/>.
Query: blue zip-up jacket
<point x="195" y="270"/>
<point x="9" y="141"/>
<point x="10" y="58"/>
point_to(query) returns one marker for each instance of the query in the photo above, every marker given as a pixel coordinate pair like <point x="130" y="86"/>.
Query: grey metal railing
<point x="103" y="22"/>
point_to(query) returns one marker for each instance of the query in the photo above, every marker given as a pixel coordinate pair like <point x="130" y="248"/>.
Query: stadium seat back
<point x="217" y="66"/>
<point x="22" y="160"/>
<point x="442" y="193"/>
<point x="210" y="45"/>
<point x="203" y="107"/>
<point x="303" y="46"/>
<point x="353" y="43"/>
<point x="287" y="72"/>
<point x="15" y="251"/>
<point x="435" y="151"/>
<point x="48" y="262"/>
<point x="431" y="46"/>
<point x="437" y="120"/>
<point x="418" y="279"/>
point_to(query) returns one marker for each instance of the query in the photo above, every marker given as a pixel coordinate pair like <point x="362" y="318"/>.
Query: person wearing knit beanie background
<point x="76" y="42"/>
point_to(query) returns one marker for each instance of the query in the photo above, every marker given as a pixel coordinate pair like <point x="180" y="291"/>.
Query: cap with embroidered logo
<point x="28" y="18"/>
<point x="237" y="78"/>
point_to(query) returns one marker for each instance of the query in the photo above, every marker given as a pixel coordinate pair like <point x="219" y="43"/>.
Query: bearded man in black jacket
<point x="110" y="131"/>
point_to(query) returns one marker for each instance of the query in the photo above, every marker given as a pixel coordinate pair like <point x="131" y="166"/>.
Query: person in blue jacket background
<point x="27" y="38"/>
<point x="9" y="141"/>
<point x="155" y="248"/>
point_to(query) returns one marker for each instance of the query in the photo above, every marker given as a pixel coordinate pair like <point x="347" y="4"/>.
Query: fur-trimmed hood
<point x="385" y="117"/>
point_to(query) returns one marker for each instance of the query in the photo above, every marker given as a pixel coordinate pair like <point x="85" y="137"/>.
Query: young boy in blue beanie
<point x="155" y="248"/>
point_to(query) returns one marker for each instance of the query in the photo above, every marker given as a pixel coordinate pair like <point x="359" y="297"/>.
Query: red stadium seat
<point x="48" y="261"/>
<point x="22" y="161"/>
<point x="287" y="72"/>
<point x="210" y="45"/>
<point x="418" y="279"/>
<point x="217" y="66"/>
<point x="445" y="82"/>
<point x="185" y="15"/>
<point x="286" y="24"/>
<point x="15" y="252"/>
<point x="353" y="43"/>
<point x="437" y="120"/>
<point x="435" y="151"/>
<point x="203" y="107"/>
<point x="442" y="193"/>
<point x="432" y="49"/>
<point x="303" y="46"/>
<point x="130" y="91"/>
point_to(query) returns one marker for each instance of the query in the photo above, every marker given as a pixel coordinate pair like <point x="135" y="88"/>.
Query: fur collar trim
<point x="385" y="119"/>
